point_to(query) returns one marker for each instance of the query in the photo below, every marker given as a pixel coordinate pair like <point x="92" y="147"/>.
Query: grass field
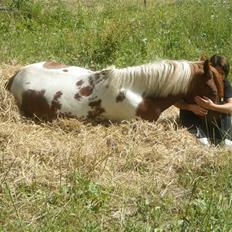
<point x="132" y="176"/>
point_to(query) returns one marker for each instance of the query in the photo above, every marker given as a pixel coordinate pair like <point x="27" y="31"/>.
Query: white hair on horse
<point x="163" y="78"/>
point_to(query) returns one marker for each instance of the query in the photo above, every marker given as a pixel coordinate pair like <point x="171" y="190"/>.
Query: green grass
<point x="120" y="33"/>
<point x="82" y="205"/>
<point x="114" y="33"/>
<point x="209" y="205"/>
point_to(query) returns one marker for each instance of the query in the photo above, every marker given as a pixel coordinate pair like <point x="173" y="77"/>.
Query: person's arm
<point x="196" y="109"/>
<point x="208" y="104"/>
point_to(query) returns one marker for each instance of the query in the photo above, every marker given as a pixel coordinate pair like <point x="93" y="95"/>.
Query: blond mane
<point x="163" y="78"/>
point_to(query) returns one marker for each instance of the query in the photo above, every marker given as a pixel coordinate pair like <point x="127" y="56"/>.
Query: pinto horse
<point x="47" y="90"/>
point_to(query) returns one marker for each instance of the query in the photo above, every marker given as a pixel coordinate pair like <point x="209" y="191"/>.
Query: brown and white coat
<point x="47" y="89"/>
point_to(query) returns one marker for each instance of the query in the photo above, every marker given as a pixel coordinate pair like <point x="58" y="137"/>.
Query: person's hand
<point x="204" y="102"/>
<point x="198" y="110"/>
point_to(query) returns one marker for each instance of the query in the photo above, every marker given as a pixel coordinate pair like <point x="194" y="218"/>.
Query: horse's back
<point x="38" y="75"/>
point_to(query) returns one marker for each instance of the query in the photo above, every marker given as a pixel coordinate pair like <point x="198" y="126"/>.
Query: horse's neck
<point x="159" y="79"/>
<point x="151" y="108"/>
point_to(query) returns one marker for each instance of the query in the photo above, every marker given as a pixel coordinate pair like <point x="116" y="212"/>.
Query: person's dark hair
<point x="221" y="62"/>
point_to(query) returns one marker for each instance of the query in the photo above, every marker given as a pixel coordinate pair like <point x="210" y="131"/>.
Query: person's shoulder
<point x="227" y="89"/>
<point x="227" y="82"/>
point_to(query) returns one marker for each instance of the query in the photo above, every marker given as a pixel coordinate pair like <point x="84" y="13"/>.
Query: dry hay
<point x="131" y="155"/>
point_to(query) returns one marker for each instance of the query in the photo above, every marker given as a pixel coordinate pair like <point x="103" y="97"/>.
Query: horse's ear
<point x="207" y="70"/>
<point x="203" y="57"/>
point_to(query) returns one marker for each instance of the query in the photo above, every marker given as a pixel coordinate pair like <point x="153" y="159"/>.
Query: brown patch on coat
<point x="79" y="83"/>
<point x="121" y="96"/>
<point x="97" y="109"/>
<point x="65" y="70"/>
<point x="9" y="83"/>
<point x="77" y="96"/>
<point x="151" y="108"/>
<point x="147" y="110"/>
<point x="95" y="79"/>
<point x="95" y="104"/>
<point x="86" y="91"/>
<point x="56" y="105"/>
<point x="54" y="65"/>
<point x="91" y="81"/>
<point x="35" y="104"/>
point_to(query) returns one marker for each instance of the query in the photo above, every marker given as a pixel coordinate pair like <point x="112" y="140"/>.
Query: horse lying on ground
<point x="47" y="90"/>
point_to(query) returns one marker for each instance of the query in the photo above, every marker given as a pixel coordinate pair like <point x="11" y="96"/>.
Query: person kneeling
<point x="205" y="130"/>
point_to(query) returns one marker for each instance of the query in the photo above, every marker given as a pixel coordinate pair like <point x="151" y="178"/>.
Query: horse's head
<point x="207" y="81"/>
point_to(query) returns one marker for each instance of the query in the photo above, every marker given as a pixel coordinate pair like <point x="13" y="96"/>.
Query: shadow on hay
<point x="68" y="124"/>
